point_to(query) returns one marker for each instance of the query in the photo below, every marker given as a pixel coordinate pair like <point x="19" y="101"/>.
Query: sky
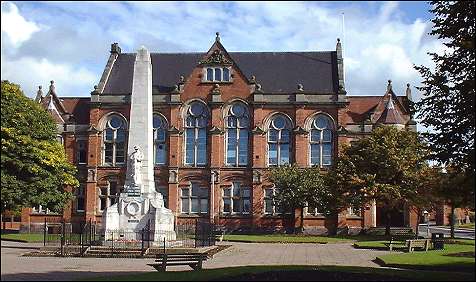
<point x="69" y="42"/>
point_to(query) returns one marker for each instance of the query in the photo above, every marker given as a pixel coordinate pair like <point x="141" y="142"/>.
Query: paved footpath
<point x="19" y="268"/>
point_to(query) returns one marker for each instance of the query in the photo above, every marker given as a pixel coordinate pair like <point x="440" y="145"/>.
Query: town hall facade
<point x="221" y="120"/>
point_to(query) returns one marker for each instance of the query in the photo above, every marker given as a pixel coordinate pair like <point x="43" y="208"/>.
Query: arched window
<point x="160" y="137"/>
<point x="279" y="140"/>
<point x="237" y="129"/>
<point x="196" y="134"/>
<point x="114" y="139"/>
<point x="321" y="141"/>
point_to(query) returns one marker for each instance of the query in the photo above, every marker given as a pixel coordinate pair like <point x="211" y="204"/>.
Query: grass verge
<point x="455" y="257"/>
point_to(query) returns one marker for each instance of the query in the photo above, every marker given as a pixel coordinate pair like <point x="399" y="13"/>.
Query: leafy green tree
<point x="447" y="105"/>
<point x="34" y="169"/>
<point x="301" y="187"/>
<point x="453" y="188"/>
<point x="384" y="167"/>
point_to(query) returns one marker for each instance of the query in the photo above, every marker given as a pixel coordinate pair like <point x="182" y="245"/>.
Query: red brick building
<point x="221" y="119"/>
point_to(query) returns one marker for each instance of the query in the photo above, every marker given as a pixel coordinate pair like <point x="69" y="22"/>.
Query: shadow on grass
<point x="447" y="267"/>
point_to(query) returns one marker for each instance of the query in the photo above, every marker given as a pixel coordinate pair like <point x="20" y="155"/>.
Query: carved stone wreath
<point x="216" y="58"/>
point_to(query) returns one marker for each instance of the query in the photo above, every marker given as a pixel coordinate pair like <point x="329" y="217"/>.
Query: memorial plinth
<point x="140" y="205"/>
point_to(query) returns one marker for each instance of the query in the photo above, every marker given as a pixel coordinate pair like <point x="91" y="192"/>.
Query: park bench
<point x="399" y="237"/>
<point x="195" y="260"/>
<point x="418" y="243"/>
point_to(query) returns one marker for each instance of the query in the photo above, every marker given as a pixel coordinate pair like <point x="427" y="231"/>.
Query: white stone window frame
<point x="104" y="125"/>
<point x="185" y="114"/>
<point x="190" y="197"/>
<point x="156" y="142"/>
<point x="312" y="211"/>
<point x="288" y="126"/>
<point x="275" y="211"/>
<point x="309" y="125"/>
<point x="238" y="128"/>
<point x="241" y="198"/>
<point x="107" y="197"/>
<point x="79" y="141"/>
<point x="205" y="74"/>
<point x="80" y="193"/>
<point x="352" y="213"/>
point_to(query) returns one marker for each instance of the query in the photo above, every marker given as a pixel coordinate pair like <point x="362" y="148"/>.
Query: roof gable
<point x="276" y="72"/>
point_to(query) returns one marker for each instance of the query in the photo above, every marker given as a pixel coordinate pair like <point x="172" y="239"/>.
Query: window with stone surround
<point x="194" y="199"/>
<point x="237" y="132"/>
<point x="79" y="194"/>
<point x="108" y="195"/>
<point x="353" y="212"/>
<point x="279" y="135"/>
<point x="270" y="208"/>
<point x="236" y="199"/>
<point x="196" y="134"/>
<point x="313" y="210"/>
<point x="160" y="137"/>
<point x="217" y="74"/>
<point x="114" y="141"/>
<point x="321" y="141"/>
<point x="82" y="151"/>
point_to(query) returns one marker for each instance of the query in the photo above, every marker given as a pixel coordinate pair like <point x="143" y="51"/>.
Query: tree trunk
<point x="452" y="222"/>
<point x="387" y="223"/>
<point x="301" y="227"/>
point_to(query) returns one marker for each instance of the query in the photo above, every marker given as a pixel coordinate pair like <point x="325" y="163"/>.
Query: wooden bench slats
<point x="193" y="260"/>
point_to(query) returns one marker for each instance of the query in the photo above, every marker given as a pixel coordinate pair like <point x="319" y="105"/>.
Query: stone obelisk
<point x="140" y="205"/>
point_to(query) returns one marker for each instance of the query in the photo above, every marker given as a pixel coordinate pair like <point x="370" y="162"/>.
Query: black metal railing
<point x="82" y="238"/>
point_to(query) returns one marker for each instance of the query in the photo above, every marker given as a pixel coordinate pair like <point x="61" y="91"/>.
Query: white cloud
<point x="30" y="73"/>
<point x="17" y="28"/>
<point x="380" y="44"/>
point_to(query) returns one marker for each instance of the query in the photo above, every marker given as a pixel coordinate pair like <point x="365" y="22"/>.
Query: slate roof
<point x="390" y="115"/>
<point x="79" y="107"/>
<point x="277" y="72"/>
<point x="360" y="107"/>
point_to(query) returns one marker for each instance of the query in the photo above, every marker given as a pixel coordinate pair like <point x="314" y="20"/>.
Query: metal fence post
<point x="63" y="234"/>
<point x="45" y="231"/>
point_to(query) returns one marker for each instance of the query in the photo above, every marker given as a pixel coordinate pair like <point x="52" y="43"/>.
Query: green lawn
<point x="380" y="244"/>
<point x="24" y="237"/>
<point x="455" y="257"/>
<point x="288" y="238"/>
<point x="466" y="225"/>
<point x="36" y="237"/>
<point x="296" y="273"/>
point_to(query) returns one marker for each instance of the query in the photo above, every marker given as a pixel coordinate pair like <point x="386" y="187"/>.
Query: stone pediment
<point x="217" y="57"/>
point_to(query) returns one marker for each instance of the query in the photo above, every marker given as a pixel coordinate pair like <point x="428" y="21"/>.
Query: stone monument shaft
<point x="140" y="120"/>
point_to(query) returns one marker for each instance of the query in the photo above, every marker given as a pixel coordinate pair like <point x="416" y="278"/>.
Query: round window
<point x="196" y="109"/>
<point x="115" y="122"/>
<point x="321" y="122"/>
<point x="238" y="110"/>
<point x="279" y="122"/>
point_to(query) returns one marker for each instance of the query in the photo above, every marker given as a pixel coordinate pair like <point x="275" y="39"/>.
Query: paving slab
<point x="15" y="267"/>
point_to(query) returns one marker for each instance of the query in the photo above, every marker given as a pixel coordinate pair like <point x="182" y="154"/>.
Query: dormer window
<point x="217" y="74"/>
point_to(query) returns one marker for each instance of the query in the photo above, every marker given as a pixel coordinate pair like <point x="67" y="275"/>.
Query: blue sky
<point x="69" y="42"/>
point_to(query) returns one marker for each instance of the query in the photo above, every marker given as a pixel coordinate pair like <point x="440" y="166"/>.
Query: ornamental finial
<point x="217" y="38"/>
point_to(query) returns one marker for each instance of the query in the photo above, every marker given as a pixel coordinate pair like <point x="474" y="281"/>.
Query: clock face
<point x="133" y="208"/>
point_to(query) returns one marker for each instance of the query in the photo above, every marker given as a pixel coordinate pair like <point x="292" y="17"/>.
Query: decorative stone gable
<point x="216" y="58"/>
